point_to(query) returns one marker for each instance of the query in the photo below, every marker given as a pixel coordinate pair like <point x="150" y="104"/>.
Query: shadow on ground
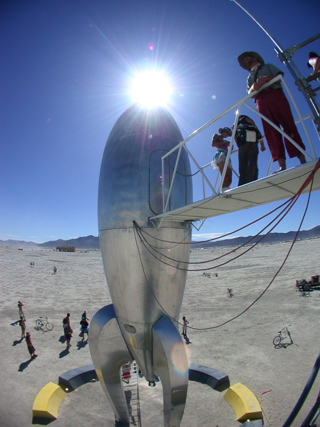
<point x="187" y="341"/>
<point x="15" y="342"/>
<point x="64" y="353"/>
<point x="24" y="365"/>
<point x="81" y="344"/>
<point x="41" y="420"/>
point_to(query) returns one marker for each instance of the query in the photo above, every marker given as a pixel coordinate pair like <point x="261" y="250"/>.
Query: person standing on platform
<point x="314" y="62"/>
<point x="219" y="159"/>
<point x="273" y="104"/>
<point x="247" y="137"/>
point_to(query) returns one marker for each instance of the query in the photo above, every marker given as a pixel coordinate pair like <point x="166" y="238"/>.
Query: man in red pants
<point x="273" y="104"/>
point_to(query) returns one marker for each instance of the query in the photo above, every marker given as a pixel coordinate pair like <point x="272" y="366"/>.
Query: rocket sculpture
<point x="146" y="291"/>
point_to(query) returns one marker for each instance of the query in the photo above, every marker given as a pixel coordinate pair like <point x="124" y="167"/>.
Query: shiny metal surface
<point x="172" y="367"/>
<point x="142" y="288"/>
<point x="130" y="185"/>
<point x="109" y="352"/>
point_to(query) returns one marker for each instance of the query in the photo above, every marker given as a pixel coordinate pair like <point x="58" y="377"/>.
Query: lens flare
<point x="178" y="354"/>
<point x="151" y="89"/>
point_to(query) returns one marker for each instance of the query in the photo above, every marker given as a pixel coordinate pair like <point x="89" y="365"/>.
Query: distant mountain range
<point x="270" y="238"/>
<point x="92" y="242"/>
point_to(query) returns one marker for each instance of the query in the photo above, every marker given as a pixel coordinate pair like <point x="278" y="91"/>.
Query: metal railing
<point x="216" y="188"/>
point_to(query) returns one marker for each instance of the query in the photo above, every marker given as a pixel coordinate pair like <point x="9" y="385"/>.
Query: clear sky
<point x="64" y="81"/>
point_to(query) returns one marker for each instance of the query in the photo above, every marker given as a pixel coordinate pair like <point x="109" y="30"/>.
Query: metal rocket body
<point x="146" y="290"/>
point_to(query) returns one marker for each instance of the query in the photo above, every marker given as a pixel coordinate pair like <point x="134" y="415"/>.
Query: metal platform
<point x="272" y="188"/>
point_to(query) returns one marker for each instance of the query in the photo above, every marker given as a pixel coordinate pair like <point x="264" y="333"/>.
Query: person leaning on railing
<point x="222" y="145"/>
<point x="273" y="104"/>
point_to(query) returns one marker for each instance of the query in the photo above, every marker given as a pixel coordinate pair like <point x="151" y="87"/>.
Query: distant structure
<point x="66" y="248"/>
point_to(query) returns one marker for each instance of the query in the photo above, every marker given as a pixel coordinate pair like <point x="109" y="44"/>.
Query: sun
<point x="151" y="89"/>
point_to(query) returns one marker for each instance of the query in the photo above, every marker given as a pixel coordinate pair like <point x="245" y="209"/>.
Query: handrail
<point x="285" y="56"/>
<point x="237" y="106"/>
<point x="293" y="49"/>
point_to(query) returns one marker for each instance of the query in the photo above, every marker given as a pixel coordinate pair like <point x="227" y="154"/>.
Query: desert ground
<point x="242" y="348"/>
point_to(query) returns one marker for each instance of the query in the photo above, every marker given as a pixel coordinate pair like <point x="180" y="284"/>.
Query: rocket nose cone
<point x="131" y="182"/>
<point x="145" y="121"/>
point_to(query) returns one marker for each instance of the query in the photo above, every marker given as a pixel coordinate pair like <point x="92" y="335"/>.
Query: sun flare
<point x="151" y="89"/>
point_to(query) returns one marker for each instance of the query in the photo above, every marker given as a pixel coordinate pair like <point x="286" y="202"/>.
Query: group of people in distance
<point x="68" y="331"/>
<point x="273" y="104"/>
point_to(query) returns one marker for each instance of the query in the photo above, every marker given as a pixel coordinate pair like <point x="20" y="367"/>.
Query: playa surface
<point x="242" y="348"/>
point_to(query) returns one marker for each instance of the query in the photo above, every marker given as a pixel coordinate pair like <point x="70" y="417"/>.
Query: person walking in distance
<point x="84" y="326"/>
<point x="184" y="327"/>
<point x="84" y="316"/>
<point x="67" y="330"/>
<point x="22" y="324"/>
<point x="21" y="313"/>
<point x="31" y="349"/>
<point x="66" y="320"/>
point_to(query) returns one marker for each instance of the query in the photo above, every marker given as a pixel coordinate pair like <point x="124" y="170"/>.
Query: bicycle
<point x="284" y="335"/>
<point x="44" y="324"/>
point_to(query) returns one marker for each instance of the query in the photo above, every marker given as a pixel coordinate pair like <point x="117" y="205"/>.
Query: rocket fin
<point x="171" y="364"/>
<point x="109" y="352"/>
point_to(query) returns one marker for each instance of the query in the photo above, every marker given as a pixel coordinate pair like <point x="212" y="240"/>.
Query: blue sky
<point x="66" y="67"/>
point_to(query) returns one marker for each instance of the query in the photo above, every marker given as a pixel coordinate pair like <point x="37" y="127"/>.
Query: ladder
<point x="130" y="375"/>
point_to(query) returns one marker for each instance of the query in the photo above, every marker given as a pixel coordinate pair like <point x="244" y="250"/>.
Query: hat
<point x="243" y="117"/>
<point x="225" y="129"/>
<point x="313" y="55"/>
<point x="253" y="55"/>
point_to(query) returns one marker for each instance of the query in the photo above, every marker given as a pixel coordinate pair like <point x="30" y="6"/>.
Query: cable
<point x="214" y="259"/>
<point x="276" y="274"/>
<point x="224" y="263"/>
<point x="245" y="226"/>
<point x="303" y="186"/>
<point x="304" y="394"/>
<point x="312" y="413"/>
<point x="223" y="235"/>
<point x="290" y="202"/>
